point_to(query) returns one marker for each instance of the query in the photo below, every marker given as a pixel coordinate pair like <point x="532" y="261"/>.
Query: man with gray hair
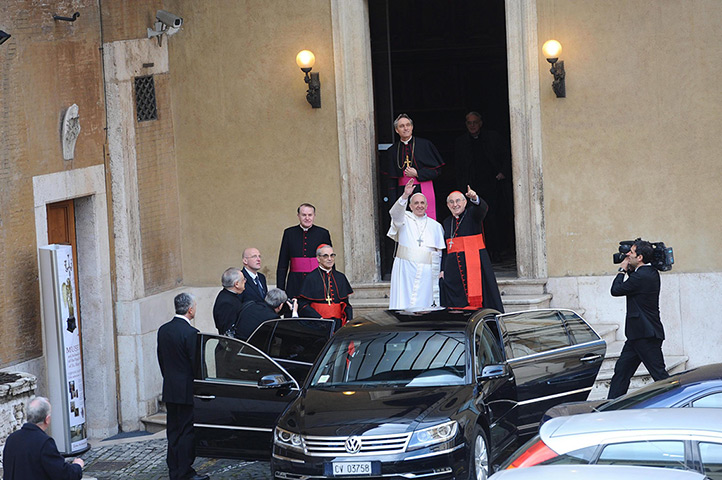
<point x="256" y="312"/>
<point x="229" y="300"/>
<point x="176" y="357"/>
<point x="30" y="453"/>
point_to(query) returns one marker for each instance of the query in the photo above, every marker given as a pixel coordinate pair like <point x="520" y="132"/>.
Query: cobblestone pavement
<point x="144" y="459"/>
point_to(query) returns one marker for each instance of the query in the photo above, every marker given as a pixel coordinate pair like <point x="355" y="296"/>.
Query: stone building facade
<point x="168" y="204"/>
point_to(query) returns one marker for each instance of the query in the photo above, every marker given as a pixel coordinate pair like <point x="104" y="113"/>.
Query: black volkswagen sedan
<point x="433" y="395"/>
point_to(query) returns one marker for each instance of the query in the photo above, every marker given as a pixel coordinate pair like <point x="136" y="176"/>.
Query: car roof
<point x="701" y="420"/>
<point x="595" y="472"/>
<point x="441" y="319"/>
<point x="704" y="373"/>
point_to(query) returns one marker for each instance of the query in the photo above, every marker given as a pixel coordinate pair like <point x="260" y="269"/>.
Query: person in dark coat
<point x="256" y="312"/>
<point x="297" y="256"/>
<point x="643" y="326"/>
<point x="30" y="453"/>
<point x="412" y="158"/>
<point x="482" y="160"/>
<point x="325" y="291"/>
<point x="176" y="357"/>
<point x="255" y="280"/>
<point x="467" y="276"/>
<point x="229" y="300"/>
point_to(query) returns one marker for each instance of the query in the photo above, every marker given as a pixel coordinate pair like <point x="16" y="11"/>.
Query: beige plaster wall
<point x="249" y="147"/>
<point x="640" y="124"/>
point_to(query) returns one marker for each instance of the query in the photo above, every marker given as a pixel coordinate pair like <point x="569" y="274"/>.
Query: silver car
<point x="680" y="438"/>
<point x="596" y="472"/>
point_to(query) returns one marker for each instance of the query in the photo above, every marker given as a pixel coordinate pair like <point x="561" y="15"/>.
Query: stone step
<point x="522" y="286"/>
<point x="512" y="303"/>
<point x="370" y="290"/>
<point x="507" y="286"/>
<point x="154" y="423"/>
<point x="608" y="332"/>
<point x="674" y="364"/>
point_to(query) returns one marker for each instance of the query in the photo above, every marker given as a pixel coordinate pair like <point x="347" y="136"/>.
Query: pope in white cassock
<point x="420" y="239"/>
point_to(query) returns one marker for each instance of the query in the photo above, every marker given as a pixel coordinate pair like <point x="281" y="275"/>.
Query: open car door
<point x="239" y="391"/>
<point x="554" y="355"/>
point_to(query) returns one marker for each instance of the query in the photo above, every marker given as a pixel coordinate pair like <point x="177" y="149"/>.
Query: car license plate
<point x="351" y="468"/>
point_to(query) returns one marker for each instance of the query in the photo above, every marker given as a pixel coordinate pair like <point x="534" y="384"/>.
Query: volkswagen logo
<point x="352" y="444"/>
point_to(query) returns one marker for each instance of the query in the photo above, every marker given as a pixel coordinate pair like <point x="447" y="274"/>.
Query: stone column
<point x="526" y="137"/>
<point x="356" y="138"/>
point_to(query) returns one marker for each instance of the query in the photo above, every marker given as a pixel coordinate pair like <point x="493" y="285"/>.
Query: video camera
<point x="662" y="258"/>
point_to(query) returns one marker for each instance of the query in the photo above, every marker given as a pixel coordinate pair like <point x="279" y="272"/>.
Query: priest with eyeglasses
<point x="325" y="291"/>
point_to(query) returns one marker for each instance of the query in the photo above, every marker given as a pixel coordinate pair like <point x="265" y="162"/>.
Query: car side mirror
<point x="275" y="380"/>
<point x="491" y="372"/>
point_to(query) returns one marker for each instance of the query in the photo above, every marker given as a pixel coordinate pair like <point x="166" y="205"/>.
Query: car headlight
<point x="437" y="434"/>
<point x="286" y="439"/>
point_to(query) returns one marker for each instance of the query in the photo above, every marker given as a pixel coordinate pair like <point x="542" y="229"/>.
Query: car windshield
<point x="398" y="359"/>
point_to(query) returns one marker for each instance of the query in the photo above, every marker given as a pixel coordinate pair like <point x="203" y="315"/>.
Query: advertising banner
<point x="63" y="349"/>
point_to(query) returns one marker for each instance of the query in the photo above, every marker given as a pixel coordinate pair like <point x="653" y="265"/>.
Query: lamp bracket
<point x="66" y="19"/>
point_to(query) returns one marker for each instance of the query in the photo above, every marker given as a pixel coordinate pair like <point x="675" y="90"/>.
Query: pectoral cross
<point x="420" y="242"/>
<point x="407" y="162"/>
<point x="451" y="242"/>
<point x="328" y="299"/>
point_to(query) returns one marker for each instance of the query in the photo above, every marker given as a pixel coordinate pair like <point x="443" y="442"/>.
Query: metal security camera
<point x="167" y="23"/>
<point x="169" y="19"/>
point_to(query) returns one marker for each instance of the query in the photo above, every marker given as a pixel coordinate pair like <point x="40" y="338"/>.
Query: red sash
<point x="470" y="246"/>
<point x="335" y="310"/>
<point x="427" y="188"/>
<point x="303" y="264"/>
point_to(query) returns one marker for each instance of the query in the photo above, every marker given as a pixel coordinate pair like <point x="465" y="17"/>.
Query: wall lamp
<point x="552" y="49"/>
<point x="166" y="22"/>
<point x="305" y="59"/>
<point x="4" y="37"/>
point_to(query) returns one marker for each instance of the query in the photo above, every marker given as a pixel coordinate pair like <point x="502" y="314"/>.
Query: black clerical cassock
<point x="420" y="154"/>
<point x="298" y="251"/>
<point x="468" y="279"/>
<point x="324" y="294"/>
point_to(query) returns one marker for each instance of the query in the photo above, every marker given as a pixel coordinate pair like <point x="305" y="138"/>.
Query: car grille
<point x="356" y="445"/>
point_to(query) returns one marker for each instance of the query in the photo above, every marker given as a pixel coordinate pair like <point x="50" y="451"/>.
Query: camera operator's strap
<point x="470" y="246"/>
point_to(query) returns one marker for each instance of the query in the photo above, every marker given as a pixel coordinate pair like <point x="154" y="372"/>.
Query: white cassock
<point x="415" y="275"/>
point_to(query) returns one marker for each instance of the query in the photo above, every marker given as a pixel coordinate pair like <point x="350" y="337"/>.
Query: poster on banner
<point x="66" y="329"/>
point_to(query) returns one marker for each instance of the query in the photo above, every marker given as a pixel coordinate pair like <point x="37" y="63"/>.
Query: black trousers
<point x="634" y="352"/>
<point x="181" y="446"/>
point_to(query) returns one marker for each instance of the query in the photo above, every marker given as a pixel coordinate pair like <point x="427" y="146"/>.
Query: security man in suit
<point x="256" y="286"/>
<point x="176" y="356"/>
<point x="643" y="327"/>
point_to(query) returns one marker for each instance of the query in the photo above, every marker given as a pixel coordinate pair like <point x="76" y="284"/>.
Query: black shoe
<point x="199" y="477"/>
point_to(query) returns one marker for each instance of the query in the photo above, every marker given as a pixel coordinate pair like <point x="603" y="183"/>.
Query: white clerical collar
<point x="327" y="271"/>
<point x="407" y="141"/>
<point x="304" y="228"/>
<point x="183" y="317"/>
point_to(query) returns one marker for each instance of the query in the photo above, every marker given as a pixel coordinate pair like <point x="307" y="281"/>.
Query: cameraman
<point x="643" y="328"/>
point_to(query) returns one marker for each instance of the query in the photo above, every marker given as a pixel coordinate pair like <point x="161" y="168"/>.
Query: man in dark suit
<point x="229" y="300"/>
<point x="176" y="357"/>
<point x="256" y="312"/>
<point x="256" y="286"/>
<point x="643" y="327"/>
<point x="32" y="453"/>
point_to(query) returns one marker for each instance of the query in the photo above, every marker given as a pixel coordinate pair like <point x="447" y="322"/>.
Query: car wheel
<point x="479" y="455"/>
